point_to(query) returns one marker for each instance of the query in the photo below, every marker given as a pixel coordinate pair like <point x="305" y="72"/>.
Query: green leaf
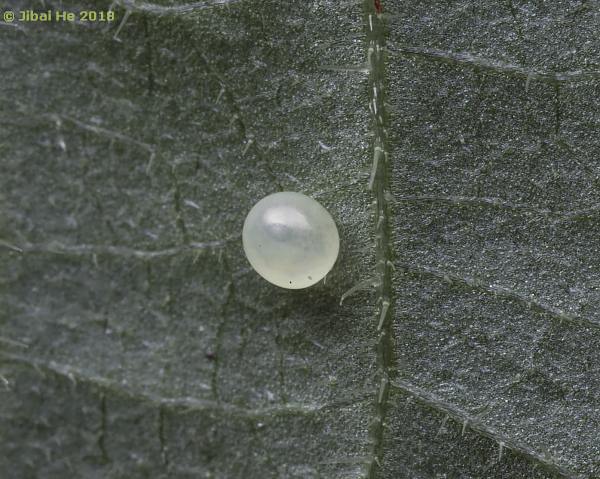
<point x="455" y="146"/>
<point x="495" y="175"/>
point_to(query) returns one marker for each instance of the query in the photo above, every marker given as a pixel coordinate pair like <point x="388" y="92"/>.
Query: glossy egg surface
<point x="290" y="240"/>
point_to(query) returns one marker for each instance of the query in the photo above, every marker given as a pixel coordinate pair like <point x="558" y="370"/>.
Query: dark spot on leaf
<point x="211" y="356"/>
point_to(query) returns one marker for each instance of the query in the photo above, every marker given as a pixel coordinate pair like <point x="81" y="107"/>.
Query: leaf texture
<point x="455" y="146"/>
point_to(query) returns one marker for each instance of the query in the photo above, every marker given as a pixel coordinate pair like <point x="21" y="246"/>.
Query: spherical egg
<point x="290" y="240"/>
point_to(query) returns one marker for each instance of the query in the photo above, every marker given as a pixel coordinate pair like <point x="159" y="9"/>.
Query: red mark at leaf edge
<point x="378" y="7"/>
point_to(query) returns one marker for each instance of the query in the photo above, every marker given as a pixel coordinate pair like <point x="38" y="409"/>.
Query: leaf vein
<point x="474" y="423"/>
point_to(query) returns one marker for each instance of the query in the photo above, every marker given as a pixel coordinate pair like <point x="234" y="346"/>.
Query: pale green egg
<point x="290" y="240"/>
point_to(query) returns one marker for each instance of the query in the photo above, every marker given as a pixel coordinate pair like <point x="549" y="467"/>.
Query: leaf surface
<point x="136" y="341"/>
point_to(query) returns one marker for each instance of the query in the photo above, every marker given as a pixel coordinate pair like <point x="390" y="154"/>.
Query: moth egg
<point x="290" y="240"/>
